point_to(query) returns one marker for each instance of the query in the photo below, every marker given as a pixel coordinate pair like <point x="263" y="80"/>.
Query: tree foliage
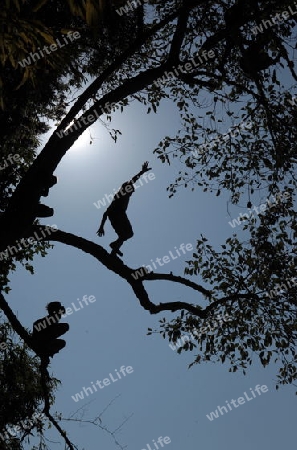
<point x="21" y="391"/>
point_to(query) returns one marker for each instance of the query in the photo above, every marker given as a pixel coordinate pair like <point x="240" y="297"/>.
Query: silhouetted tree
<point x="189" y="49"/>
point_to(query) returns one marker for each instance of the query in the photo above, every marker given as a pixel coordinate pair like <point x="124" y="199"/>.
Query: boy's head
<point x="55" y="308"/>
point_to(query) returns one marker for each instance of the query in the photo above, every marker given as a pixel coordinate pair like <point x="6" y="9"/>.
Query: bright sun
<point x="82" y="142"/>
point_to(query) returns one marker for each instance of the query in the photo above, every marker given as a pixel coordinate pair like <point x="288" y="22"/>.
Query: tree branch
<point x="117" y="266"/>
<point x="178" y="36"/>
<point x="27" y="338"/>
<point x="16" y="219"/>
<point x="232" y="298"/>
<point x="21" y="209"/>
<point x="16" y="324"/>
<point x="61" y="431"/>
<point x="176" y="279"/>
<point x="18" y="216"/>
<point x="190" y="79"/>
<point x="96" y="85"/>
<point x="98" y="421"/>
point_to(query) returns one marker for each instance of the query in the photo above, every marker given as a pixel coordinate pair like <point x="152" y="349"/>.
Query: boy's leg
<point x="57" y="329"/>
<point x="115" y="245"/>
<point x="55" y="346"/>
<point x="123" y="228"/>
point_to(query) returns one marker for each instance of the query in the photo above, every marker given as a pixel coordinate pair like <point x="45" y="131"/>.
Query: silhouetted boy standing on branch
<point x="116" y="212"/>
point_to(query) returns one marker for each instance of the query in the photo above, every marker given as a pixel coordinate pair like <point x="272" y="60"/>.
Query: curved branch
<point x="16" y="324"/>
<point x="145" y="302"/>
<point x="20" y="212"/>
<point x="116" y="265"/>
<point x="233" y="298"/>
<point x="27" y="194"/>
<point x="61" y="431"/>
<point x="176" y="279"/>
<point x="190" y="79"/>
<point x="44" y="379"/>
<point x="96" y="85"/>
<point x="111" y="262"/>
<point x="56" y="147"/>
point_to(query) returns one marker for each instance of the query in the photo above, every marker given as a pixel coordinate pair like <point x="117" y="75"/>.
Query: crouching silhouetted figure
<point x="116" y="212"/>
<point x="47" y="330"/>
<point x="48" y="181"/>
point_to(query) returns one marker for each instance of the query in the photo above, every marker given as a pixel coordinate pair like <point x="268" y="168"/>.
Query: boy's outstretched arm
<point x="144" y="169"/>
<point x="100" y="231"/>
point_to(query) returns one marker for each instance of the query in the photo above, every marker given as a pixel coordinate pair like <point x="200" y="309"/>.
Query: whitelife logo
<point x="24" y="425"/>
<point x="166" y="259"/>
<point x="161" y="441"/>
<point x="3" y="345"/>
<point x="109" y="197"/>
<point x="281" y="288"/>
<point x="106" y="109"/>
<point x="185" y="67"/>
<point x="106" y="382"/>
<point x="232" y="132"/>
<point x="23" y="243"/>
<point x="11" y="159"/>
<point x="55" y="318"/>
<point x="273" y="20"/>
<point x="240" y="400"/>
<point x="129" y="6"/>
<point x="52" y="48"/>
<point x="271" y="201"/>
<point x="198" y="332"/>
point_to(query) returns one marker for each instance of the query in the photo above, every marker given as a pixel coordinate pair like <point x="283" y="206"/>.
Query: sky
<point x="160" y="396"/>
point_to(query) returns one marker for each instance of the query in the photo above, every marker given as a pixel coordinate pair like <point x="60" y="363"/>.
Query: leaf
<point x="91" y="12"/>
<point x="39" y="5"/>
<point x="26" y="76"/>
<point x="47" y="37"/>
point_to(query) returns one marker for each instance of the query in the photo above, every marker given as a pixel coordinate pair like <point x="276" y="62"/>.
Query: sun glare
<point x="82" y="142"/>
